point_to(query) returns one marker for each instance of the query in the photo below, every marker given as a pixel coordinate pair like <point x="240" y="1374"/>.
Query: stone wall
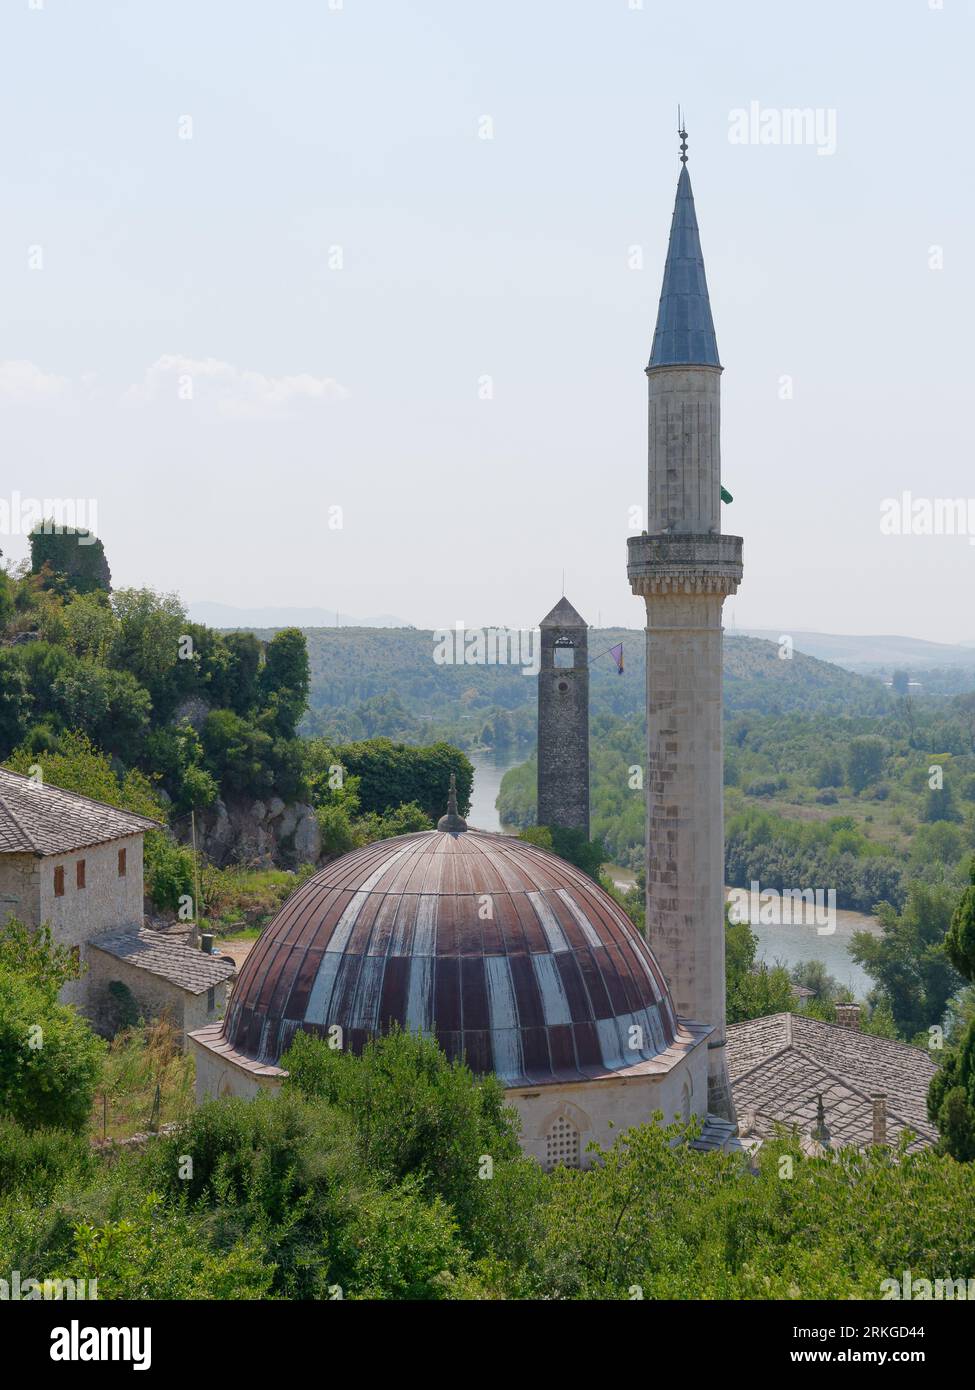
<point x="20" y="887"/>
<point x="596" y="1110"/>
<point x="155" y="996"/>
<point x="106" y="902"/>
<point x="601" y="1110"/>
<point x="218" y="1075"/>
<point x="684" y="449"/>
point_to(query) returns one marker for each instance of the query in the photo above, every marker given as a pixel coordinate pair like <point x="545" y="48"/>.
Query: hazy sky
<point x="340" y="268"/>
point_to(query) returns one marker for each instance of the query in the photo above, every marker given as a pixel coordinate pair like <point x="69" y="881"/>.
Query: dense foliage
<point x="397" y="1176"/>
<point x="202" y="712"/>
<point x="951" y="1100"/>
<point x="49" y="1058"/>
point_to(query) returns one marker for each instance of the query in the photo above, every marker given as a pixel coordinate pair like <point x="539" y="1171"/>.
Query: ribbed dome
<point x="512" y="957"/>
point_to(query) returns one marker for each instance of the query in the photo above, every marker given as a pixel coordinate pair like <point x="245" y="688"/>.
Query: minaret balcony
<point x="684" y="564"/>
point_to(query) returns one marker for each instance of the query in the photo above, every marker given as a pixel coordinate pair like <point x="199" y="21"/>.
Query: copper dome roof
<point x="510" y="956"/>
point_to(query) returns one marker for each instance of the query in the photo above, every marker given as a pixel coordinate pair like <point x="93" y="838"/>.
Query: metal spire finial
<point x="452" y="820"/>
<point x="682" y="132"/>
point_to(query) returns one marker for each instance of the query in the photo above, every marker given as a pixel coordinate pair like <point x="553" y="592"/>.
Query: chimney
<point x="879" y="1117"/>
<point x="206" y="943"/>
<point x="848" y="1016"/>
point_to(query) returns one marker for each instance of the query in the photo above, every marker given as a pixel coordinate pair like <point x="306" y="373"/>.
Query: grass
<point x="138" y="1060"/>
<point x="233" y="934"/>
<point x="240" y="901"/>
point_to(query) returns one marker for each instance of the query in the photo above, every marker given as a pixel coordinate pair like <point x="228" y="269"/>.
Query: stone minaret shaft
<point x="563" y="720"/>
<point x="684" y="569"/>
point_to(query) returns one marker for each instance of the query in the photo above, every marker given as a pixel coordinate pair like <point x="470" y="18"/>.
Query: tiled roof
<point x="685" y="330"/>
<point x="518" y="962"/>
<point x="563" y="615"/>
<point x="211" y="1037"/>
<point x="779" y="1064"/>
<point x="37" y="818"/>
<point x="192" y="970"/>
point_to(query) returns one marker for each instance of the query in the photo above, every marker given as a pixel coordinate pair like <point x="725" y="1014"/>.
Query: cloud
<point x="22" y="383"/>
<point x="234" y="392"/>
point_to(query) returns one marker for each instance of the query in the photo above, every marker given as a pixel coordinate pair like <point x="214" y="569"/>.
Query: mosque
<point x="516" y="960"/>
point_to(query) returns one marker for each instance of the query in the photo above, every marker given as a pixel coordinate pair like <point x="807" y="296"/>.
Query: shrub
<point x="168" y="869"/>
<point x="50" y="1060"/>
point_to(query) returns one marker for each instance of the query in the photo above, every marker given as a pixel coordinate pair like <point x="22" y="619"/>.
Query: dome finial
<point x="819" y="1131"/>
<point x="452" y="820"/>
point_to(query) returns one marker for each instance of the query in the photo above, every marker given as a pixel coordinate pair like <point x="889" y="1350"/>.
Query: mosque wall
<point x="601" y="1110"/>
<point x="557" y="1122"/>
<point x="219" y="1075"/>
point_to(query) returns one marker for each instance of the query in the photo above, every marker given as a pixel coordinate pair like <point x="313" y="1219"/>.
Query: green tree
<point x="78" y="766"/>
<point x="15" y="700"/>
<point x="951" y="1098"/>
<point x="395" y="774"/>
<point x="865" y="761"/>
<point x="574" y="846"/>
<point x="147" y="644"/>
<point x="939" y="804"/>
<point x="284" y="680"/>
<point x="414" y="1114"/>
<point x="90" y="626"/>
<point x="248" y="760"/>
<point x="50" y="1060"/>
<point x="32" y="951"/>
<point x="110" y="707"/>
<point x="908" y="960"/>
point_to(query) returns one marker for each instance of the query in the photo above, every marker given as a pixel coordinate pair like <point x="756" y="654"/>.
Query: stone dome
<point x="511" y="957"/>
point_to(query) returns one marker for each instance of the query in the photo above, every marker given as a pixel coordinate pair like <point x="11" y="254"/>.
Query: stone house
<point x="77" y="865"/>
<point x="797" y="1072"/>
<point x="163" y="978"/>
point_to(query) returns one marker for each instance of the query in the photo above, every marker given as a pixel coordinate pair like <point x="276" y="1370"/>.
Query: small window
<point x="59" y="881"/>
<point x="121" y="863"/>
<point x="79" y="873"/>
<point x="565" y="657"/>
<point x="211" y="999"/>
<point x="562" y="1145"/>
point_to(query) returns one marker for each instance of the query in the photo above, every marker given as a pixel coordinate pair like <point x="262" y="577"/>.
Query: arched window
<point x="685" y="1103"/>
<point x="562" y="1145"/>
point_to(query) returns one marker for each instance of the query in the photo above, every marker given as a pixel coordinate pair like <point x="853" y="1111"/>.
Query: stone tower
<point x="684" y="568"/>
<point x="563" y="720"/>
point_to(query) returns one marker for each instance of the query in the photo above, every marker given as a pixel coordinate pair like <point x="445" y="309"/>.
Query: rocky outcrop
<point x="257" y="833"/>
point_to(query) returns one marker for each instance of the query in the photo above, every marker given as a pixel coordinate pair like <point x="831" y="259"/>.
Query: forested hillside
<point x="114" y="693"/>
<point x="365" y="682"/>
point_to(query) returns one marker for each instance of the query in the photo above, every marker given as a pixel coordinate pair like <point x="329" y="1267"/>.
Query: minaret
<point x="563" y="720"/>
<point x="684" y="568"/>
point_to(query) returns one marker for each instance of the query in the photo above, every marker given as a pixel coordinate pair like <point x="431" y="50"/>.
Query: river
<point x="777" y="945"/>
<point x="489" y="768"/>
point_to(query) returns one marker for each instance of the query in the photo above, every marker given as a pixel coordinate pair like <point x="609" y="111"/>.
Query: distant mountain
<point x="871" y="653"/>
<point x="226" y="615"/>
<point x="350" y="666"/>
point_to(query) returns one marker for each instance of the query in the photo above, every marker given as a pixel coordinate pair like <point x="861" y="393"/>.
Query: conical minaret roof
<point x="563" y="615"/>
<point x="684" y="335"/>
